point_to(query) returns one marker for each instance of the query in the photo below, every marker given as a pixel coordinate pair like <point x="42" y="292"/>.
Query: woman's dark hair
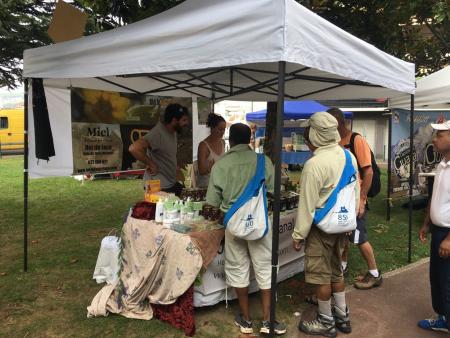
<point x="174" y="111"/>
<point x="337" y="114"/>
<point x="214" y="120"/>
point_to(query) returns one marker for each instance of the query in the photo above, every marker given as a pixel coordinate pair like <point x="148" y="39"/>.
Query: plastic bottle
<point x="159" y="212"/>
<point x="183" y="210"/>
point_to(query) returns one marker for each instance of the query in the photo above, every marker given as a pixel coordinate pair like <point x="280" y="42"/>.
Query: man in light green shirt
<point x="323" y="251"/>
<point x="229" y="177"/>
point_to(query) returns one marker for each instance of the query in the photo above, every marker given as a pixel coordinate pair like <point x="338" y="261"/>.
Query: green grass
<point x="67" y="221"/>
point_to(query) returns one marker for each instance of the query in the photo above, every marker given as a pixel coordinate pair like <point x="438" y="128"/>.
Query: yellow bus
<point x="11" y="131"/>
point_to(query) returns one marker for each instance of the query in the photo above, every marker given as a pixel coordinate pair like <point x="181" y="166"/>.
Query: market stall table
<point x="162" y="246"/>
<point x="295" y="157"/>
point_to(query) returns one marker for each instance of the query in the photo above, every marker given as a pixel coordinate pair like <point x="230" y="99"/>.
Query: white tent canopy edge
<point x="433" y="92"/>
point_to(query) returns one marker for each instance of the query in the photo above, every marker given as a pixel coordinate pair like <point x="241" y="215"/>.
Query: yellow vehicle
<point x="11" y="131"/>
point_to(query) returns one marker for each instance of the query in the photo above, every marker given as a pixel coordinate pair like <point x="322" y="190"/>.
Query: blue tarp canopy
<point x="295" y="110"/>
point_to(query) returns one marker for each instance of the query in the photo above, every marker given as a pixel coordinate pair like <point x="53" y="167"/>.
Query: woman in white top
<point x="211" y="149"/>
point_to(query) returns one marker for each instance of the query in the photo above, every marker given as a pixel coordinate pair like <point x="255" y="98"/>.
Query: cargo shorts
<point x="323" y="254"/>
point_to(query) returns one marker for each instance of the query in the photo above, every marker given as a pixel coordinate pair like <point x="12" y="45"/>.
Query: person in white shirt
<point x="437" y="221"/>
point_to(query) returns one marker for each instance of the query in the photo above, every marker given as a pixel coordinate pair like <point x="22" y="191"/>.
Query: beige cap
<point x="441" y="126"/>
<point x="323" y="129"/>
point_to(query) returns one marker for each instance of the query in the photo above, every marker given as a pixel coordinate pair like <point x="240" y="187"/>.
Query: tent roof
<point x="226" y="47"/>
<point x="433" y="92"/>
<point x="294" y="110"/>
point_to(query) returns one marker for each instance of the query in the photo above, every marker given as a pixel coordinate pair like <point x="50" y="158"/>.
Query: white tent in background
<point x="432" y="92"/>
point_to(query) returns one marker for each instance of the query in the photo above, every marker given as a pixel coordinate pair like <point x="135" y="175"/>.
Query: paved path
<point x="391" y="310"/>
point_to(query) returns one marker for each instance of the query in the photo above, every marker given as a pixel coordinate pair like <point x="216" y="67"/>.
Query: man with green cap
<point x="323" y="251"/>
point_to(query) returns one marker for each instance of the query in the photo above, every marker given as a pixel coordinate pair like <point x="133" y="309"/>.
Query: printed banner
<point x="104" y="124"/>
<point x="425" y="157"/>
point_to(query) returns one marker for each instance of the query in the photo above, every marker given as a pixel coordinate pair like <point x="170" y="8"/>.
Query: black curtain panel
<point x="44" y="146"/>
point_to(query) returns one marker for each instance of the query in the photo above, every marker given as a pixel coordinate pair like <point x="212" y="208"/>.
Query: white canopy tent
<point x="211" y="35"/>
<point x="218" y="49"/>
<point x="432" y="92"/>
<point x="262" y="50"/>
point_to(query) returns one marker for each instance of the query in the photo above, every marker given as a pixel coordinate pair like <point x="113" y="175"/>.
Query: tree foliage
<point x="22" y="26"/>
<point x="414" y="30"/>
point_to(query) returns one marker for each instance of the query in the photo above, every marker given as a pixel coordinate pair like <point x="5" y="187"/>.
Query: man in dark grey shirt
<point x="158" y="148"/>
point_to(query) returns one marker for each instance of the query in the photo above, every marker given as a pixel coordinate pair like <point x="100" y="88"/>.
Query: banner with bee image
<point x="104" y="124"/>
<point x="425" y="158"/>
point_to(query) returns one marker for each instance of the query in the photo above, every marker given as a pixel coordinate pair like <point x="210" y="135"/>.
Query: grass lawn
<point x="67" y="221"/>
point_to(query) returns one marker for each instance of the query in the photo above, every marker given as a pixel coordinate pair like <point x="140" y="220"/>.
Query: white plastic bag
<point x="107" y="266"/>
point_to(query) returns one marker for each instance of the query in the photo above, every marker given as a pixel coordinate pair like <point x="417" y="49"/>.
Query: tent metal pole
<point x="277" y="190"/>
<point x="25" y="178"/>
<point x="389" y="175"/>
<point x="411" y="177"/>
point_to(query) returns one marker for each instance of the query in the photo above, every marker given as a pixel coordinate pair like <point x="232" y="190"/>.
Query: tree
<point x="413" y="30"/>
<point x="22" y="25"/>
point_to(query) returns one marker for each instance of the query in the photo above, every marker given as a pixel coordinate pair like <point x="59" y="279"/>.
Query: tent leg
<point x="388" y="200"/>
<point x="411" y="177"/>
<point x="25" y="179"/>
<point x="276" y="205"/>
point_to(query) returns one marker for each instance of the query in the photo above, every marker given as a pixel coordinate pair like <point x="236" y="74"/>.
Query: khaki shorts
<point x="323" y="253"/>
<point x="239" y="253"/>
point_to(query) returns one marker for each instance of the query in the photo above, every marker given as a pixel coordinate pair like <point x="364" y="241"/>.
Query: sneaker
<point x="435" y="324"/>
<point x="323" y="325"/>
<point x="342" y="319"/>
<point x="369" y="281"/>
<point x="246" y="326"/>
<point x="279" y="328"/>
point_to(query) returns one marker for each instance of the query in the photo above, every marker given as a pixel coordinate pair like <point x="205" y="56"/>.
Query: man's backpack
<point x="376" y="180"/>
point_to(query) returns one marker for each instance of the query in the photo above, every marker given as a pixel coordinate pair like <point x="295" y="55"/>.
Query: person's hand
<point x="362" y="207"/>
<point x="444" y="248"/>
<point x="298" y="245"/>
<point x="152" y="168"/>
<point x="424" y="230"/>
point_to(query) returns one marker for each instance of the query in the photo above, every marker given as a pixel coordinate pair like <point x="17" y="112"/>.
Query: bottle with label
<point x="159" y="213"/>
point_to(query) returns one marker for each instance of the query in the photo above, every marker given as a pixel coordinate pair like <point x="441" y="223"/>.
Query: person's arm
<point x="139" y="151"/>
<point x="367" y="175"/>
<point x="425" y="229"/>
<point x="364" y="159"/>
<point x="309" y="195"/>
<point x="202" y="155"/>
